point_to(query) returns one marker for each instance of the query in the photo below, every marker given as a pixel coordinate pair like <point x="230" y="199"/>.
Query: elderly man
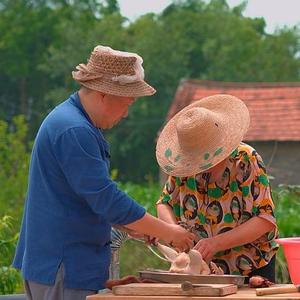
<point x="64" y="245"/>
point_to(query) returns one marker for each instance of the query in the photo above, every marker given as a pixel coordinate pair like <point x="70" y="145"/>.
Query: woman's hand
<point x="243" y="234"/>
<point x="208" y="247"/>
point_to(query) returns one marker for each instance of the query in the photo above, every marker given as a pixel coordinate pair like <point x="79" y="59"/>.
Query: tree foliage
<point x="9" y="277"/>
<point x="42" y="41"/>
<point x="14" y="162"/>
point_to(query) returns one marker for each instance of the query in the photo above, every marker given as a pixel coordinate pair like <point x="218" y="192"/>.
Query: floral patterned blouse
<point x="211" y="208"/>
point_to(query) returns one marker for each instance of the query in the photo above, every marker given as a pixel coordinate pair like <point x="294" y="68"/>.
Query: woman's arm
<point x="165" y="213"/>
<point x="240" y="235"/>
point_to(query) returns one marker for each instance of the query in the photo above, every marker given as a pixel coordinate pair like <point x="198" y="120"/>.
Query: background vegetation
<point x="41" y="42"/>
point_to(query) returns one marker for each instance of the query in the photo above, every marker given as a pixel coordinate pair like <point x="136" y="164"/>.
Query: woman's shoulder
<point x="243" y="147"/>
<point x="245" y="152"/>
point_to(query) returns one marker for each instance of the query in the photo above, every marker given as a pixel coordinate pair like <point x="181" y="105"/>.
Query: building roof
<point x="274" y="107"/>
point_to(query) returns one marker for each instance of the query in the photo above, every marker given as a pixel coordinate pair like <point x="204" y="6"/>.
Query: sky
<point x="277" y="13"/>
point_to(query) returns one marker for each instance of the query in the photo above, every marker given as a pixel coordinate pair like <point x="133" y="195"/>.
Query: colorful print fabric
<point x="211" y="208"/>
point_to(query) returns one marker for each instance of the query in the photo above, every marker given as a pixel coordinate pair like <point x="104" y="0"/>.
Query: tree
<point x="189" y="39"/>
<point x="14" y="165"/>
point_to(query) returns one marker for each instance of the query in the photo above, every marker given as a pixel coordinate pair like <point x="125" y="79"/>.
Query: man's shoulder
<point x="65" y="117"/>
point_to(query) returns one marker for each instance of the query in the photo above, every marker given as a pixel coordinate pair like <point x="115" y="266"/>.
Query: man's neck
<point x="86" y="100"/>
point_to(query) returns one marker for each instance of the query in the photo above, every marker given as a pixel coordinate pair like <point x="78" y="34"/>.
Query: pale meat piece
<point x="187" y="263"/>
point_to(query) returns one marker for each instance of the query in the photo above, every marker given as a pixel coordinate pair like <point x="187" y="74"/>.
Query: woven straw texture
<point x="202" y="135"/>
<point x="107" y="86"/>
<point x="98" y="75"/>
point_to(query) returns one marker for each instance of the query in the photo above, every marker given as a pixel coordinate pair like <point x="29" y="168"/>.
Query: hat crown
<point x="202" y="134"/>
<point x="197" y="126"/>
<point x="114" y="72"/>
<point x="106" y="63"/>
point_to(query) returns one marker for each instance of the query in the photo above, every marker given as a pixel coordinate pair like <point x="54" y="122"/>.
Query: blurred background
<point x="190" y="48"/>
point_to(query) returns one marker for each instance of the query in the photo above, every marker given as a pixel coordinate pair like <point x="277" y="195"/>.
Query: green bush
<point x="287" y="201"/>
<point x="9" y="277"/>
<point x="14" y="163"/>
<point x="146" y="194"/>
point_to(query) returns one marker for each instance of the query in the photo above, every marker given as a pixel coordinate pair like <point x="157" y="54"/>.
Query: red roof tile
<point x="274" y="107"/>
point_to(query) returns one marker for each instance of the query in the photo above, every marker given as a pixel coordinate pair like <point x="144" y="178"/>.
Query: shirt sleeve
<point x="256" y="188"/>
<point x="86" y="170"/>
<point x="169" y="193"/>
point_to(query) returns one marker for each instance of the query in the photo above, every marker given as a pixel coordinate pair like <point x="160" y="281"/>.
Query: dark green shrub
<point x="9" y="277"/>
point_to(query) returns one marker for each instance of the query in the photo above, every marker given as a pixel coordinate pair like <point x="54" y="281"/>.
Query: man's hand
<point x="179" y="238"/>
<point x="207" y="247"/>
<point x="169" y="233"/>
<point x="149" y="240"/>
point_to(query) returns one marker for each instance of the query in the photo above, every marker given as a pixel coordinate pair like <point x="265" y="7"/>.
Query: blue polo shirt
<point x="71" y="202"/>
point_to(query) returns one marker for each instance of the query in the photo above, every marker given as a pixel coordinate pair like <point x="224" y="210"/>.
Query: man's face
<point x="114" y="109"/>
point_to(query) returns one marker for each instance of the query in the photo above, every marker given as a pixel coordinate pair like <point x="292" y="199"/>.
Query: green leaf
<point x="215" y="192"/>
<point x="246" y="157"/>
<point x="234" y="152"/>
<point x="228" y="218"/>
<point x="218" y="151"/>
<point x="168" y="153"/>
<point x="238" y="248"/>
<point x="245" y="190"/>
<point x="233" y="186"/>
<point x="191" y="183"/>
<point x="201" y="217"/>
<point x="206" y="156"/>
<point x="166" y="198"/>
<point x="178" y="181"/>
<point x="236" y="272"/>
<point x="176" y="209"/>
<point x="263" y="179"/>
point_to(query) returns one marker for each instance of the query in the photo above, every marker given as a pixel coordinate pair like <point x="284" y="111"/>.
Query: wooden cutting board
<point x="173" y="289"/>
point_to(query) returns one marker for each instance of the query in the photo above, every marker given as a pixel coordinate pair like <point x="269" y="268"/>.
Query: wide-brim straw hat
<point x="114" y="72"/>
<point x="202" y="135"/>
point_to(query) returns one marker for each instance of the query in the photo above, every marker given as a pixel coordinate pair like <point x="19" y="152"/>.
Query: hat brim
<point x="235" y="123"/>
<point x="135" y="89"/>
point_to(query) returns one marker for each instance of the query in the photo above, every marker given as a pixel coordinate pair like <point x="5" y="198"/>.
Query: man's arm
<point x="170" y="233"/>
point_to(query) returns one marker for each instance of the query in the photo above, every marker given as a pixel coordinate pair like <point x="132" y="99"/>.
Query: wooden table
<point x="243" y="293"/>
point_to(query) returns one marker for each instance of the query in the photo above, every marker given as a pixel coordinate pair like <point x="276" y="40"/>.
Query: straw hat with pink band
<point x="202" y="135"/>
<point x="114" y="72"/>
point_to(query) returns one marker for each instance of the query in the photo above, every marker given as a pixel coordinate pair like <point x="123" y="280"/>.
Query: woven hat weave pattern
<point x="114" y="72"/>
<point x="202" y="135"/>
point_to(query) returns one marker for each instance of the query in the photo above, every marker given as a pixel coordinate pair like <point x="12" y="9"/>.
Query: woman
<point x="218" y="186"/>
